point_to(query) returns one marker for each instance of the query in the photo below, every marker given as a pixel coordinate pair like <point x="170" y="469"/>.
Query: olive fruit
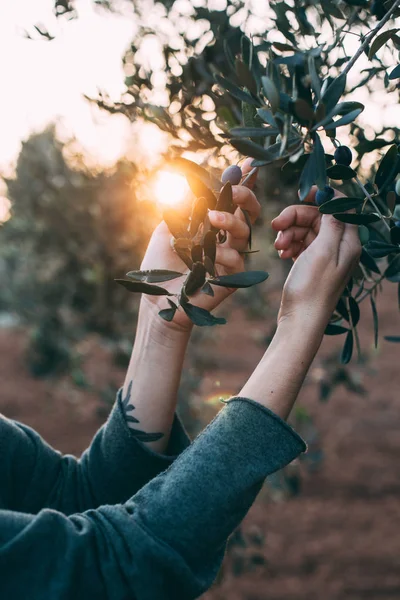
<point x="378" y="9"/>
<point x="343" y="156"/>
<point x="233" y="174"/>
<point x="363" y="234"/>
<point x="324" y="195"/>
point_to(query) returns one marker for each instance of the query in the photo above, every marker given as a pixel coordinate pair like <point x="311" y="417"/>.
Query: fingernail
<point x="217" y="216"/>
<point x="278" y="236"/>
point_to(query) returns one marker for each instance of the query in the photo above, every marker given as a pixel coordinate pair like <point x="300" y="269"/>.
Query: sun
<point x="170" y="189"/>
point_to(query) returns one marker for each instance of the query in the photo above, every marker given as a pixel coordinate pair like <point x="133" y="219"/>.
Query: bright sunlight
<point x="169" y="188"/>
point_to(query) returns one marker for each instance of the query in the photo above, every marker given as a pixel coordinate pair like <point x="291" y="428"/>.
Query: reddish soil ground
<point x="340" y="537"/>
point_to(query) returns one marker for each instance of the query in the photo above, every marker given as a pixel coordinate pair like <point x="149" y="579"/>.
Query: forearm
<point x="277" y="380"/>
<point x="153" y="377"/>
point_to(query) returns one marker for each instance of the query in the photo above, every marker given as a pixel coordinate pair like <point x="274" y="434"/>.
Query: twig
<point x="369" y="37"/>
<point x="370" y="198"/>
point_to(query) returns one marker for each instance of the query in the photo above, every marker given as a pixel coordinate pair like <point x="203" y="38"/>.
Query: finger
<point x="330" y="236"/>
<point x="246" y="169"/>
<point x="229" y="259"/>
<point x="238" y="229"/>
<point x="246" y="199"/>
<point x="286" y="238"/>
<point x="350" y="247"/>
<point x="295" y="249"/>
<point x="297" y="215"/>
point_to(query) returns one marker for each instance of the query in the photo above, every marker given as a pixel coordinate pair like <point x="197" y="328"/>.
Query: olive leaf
<point x="361" y="219"/>
<point x="199" y="212"/>
<point x="175" y="223"/>
<point x="236" y="91"/>
<point x="354" y="311"/>
<point x="240" y="280"/>
<point x="349" y="118"/>
<point x="201" y="317"/>
<point x="143" y="288"/>
<point x="249" y="148"/>
<point x="225" y="200"/>
<point x="207" y="289"/>
<point x="340" y="204"/>
<point x="246" y="215"/>
<point x="248" y="132"/>
<point x="367" y="260"/>
<point x="380" y="40"/>
<point x="392" y="338"/>
<point x="154" y="275"/>
<point x="333" y="92"/>
<point x="379" y="249"/>
<point x="197" y="253"/>
<point x="271" y="93"/>
<point x="185" y="166"/>
<point x="167" y="314"/>
<point x="375" y="320"/>
<point x="388" y="168"/>
<point x="341" y="172"/>
<point x="196" y="279"/>
<point x="347" y="349"/>
<point x="199" y="189"/>
<point x="332" y="329"/>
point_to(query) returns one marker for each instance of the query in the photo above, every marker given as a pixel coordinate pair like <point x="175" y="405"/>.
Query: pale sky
<point x="43" y="81"/>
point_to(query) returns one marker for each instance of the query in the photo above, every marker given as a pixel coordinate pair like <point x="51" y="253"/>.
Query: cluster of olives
<point x="342" y="156"/>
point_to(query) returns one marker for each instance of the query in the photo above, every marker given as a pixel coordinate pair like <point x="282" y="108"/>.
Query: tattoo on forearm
<point x="130" y="419"/>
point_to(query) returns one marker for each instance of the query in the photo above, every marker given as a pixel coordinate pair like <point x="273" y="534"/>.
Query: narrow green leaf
<point x="395" y="74"/>
<point x="349" y="118"/>
<point x="143" y="288"/>
<point x="375" y="320"/>
<point x="387" y="168"/>
<point x="225" y="200"/>
<point x="341" y="172"/>
<point x="249" y="132"/>
<point x="362" y="219"/>
<point x="380" y="40"/>
<point x="199" y="189"/>
<point x="248" y="148"/>
<point x="333" y="93"/>
<point x="245" y="76"/>
<point x="271" y="93"/>
<point x="340" y="204"/>
<point x="307" y="177"/>
<point x="154" y="275"/>
<point x="236" y="92"/>
<point x="332" y="329"/>
<point x="210" y="247"/>
<point x="185" y="166"/>
<point x="354" y="311"/>
<point x="392" y="272"/>
<point x="347" y="349"/>
<point x="249" y="225"/>
<point x="367" y="260"/>
<point x="240" y="280"/>
<point x="207" y="289"/>
<point x="196" y="279"/>
<point x="320" y="164"/>
<point x="201" y="317"/>
<point x="167" y="314"/>
<point x="176" y="224"/>
<point x="266" y="115"/>
<point x="393" y="338"/>
<point x="380" y="249"/>
<point x="315" y="82"/>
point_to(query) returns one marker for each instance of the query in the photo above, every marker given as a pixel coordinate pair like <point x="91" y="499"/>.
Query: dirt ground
<point x="340" y="537"/>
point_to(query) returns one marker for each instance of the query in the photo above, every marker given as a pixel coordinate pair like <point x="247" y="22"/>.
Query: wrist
<point x="304" y="326"/>
<point x="162" y="332"/>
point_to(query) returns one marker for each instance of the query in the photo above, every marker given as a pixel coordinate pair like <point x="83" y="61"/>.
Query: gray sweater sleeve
<point x="167" y="542"/>
<point x="116" y="465"/>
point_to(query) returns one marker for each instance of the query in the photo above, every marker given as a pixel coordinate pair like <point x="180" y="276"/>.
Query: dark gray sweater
<point x="124" y="522"/>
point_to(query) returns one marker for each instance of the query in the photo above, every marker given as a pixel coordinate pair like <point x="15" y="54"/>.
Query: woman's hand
<point x="160" y="255"/>
<point x="325" y="251"/>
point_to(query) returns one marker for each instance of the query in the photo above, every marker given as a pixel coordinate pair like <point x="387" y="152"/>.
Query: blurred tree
<point x="71" y="232"/>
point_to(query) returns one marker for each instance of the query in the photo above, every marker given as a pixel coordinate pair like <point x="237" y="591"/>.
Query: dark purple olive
<point x="378" y="9"/>
<point x="343" y="156"/>
<point x="324" y="195"/>
<point x="233" y="174"/>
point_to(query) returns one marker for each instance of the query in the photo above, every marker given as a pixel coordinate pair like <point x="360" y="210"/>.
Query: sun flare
<point x="170" y="189"/>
